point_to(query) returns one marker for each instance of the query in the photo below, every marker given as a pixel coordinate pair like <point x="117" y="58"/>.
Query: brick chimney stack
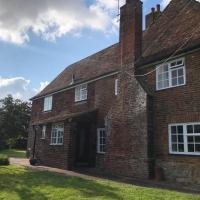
<point x="131" y="31"/>
<point x="152" y="17"/>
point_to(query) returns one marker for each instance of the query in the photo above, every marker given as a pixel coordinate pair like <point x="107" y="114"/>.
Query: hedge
<point x="4" y="160"/>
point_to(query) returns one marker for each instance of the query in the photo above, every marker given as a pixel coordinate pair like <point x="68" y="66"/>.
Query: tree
<point x="14" y="120"/>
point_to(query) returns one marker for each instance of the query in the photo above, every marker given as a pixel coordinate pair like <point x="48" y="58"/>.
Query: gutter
<point x="75" y="85"/>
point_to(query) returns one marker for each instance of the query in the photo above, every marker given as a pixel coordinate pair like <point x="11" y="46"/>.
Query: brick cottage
<point x="132" y="109"/>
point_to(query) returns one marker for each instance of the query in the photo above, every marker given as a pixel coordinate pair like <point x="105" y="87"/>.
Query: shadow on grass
<point x="28" y="184"/>
<point x="14" y="153"/>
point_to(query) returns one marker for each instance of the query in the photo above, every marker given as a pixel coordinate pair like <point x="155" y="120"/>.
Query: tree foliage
<point x="14" y="120"/>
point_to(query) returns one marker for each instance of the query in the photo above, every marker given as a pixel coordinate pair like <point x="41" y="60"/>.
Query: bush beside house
<point x="4" y="160"/>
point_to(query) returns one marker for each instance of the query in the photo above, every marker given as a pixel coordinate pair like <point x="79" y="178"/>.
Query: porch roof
<point x="62" y="117"/>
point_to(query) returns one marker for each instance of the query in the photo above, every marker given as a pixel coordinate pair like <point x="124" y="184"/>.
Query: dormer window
<point x="81" y="93"/>
<point x="48" y="103"/>
<point x="171" y="74"/>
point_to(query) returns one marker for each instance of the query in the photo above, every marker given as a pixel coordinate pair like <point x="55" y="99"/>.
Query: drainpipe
<point x="35" y="137"/>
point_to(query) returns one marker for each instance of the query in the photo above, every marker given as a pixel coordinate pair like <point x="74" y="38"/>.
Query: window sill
<point x="158" y="90"/>
<point x="184" y="154"/>
<point x="42" y="138"/>
<point x="101" y="153"/>
<point x="80" y="102"/>
<point x="56" y="144"/>
<point x="48" y="111"/>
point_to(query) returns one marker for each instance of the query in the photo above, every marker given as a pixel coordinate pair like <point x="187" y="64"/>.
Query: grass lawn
<point x="13" y="153"/>
<point x="23" y="184"/>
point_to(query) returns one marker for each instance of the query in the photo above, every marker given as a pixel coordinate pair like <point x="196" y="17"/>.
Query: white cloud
<point x="51" y="19"/>
<point x="164" y="3"/>
<point x="19" y="88"/>
<point x="42" y="86"/>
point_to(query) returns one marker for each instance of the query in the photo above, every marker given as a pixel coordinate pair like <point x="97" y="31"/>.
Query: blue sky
<point x="37" y="43"/>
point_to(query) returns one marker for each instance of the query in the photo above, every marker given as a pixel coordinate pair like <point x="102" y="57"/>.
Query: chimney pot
<point x="158" y="7"/>
<point x="152" y="10"/>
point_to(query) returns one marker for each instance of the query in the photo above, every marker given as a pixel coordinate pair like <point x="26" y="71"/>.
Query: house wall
<point x="127" y="129"/>
<point x="101" y="95"/>
<point x="176" y="105"/>
<point x="127" y="122"/>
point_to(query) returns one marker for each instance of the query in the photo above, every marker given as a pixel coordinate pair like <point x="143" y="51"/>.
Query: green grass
<point x="22" y="184"/>
<point x="13" y="153"/>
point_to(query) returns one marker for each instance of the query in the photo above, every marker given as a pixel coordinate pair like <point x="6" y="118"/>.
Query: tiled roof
<point x="63" y="116"/>
<point x="177" y="26"/>
<point x="103" y="62"/>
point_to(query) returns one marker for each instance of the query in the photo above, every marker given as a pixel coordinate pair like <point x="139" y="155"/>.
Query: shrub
<point x="33" y="161"/>
<point x="4" y="160"/>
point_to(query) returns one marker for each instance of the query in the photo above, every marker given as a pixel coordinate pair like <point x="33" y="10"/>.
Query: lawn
<point x="22" y="184"/>
<point x="13" y="153"/>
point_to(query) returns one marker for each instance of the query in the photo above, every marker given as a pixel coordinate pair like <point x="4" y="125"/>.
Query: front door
<point x="82" y="147"/>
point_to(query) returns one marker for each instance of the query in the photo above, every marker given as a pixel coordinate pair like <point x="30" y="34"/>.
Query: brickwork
<point x="63" y="156"/>
<point x="127" y="148"/>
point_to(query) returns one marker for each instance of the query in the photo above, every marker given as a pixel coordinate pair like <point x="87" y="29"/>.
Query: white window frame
<point x="116" y="87"/>
<point x="81" y="93"/>
<point x="99" y="141"/>
<point x="57" y="134"/>
<point x="48" y="103"/>
<point x="44" y="129"/>
<point x="185" y="138"/>
<point x="170" y="70"/>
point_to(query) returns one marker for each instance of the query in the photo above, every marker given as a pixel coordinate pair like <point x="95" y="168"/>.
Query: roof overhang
<point x="62" y="117"/>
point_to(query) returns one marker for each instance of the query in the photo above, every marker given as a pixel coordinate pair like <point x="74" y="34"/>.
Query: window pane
<point x="190" y="147"/>
<point x="165" y="68"/>
<point x="181" y="147"/>
<point x="180" y="129"/>
<point x="173" y="129"/>
<point x="197" y="139"/>
<point x="174" y="138"/>
<point x="165" y="75"/>
<point x="196" y="128"/>
<point x="101" y="140"/>
<point x="160" y="85"/>
<point x="174" y="74"/>
<point x="180" y="62"/>
<point x="180" y="138"/>
<point x="166" y="83"/>
<point x="174" y="81"/>
<point x="180" y="72"/>
<point x="197" y="148"/>
<point x="174" y="147"/>
<point x="47" y="103"/>
<point x="190" y="129"/>
<point x="159" y="77"/>
<point x="173" y="64"/>
<point x="190" y="139"/>
<point x="180" y="80"/>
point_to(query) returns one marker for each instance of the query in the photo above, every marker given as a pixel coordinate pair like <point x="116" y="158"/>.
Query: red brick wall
<point x="100" y="96"/>
<point x="127" y="144"/>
